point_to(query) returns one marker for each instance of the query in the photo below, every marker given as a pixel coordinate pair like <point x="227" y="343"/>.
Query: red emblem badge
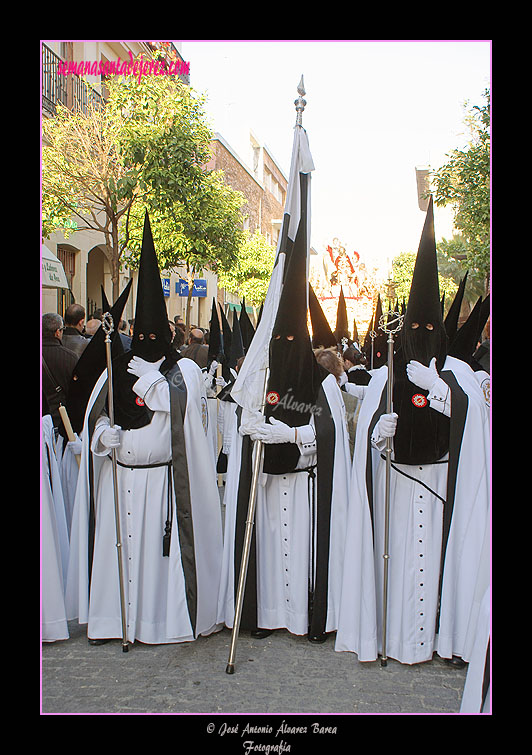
<point x="139" y="401"/>
<point x="419" y="400"/>
<point x="272" y="397"/>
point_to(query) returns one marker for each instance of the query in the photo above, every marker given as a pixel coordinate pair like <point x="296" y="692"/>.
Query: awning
<point x="238" y="307"/>
<point x="53" y="273"/>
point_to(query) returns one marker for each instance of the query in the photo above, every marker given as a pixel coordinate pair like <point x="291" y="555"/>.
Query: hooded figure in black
<point x="92" y="362"/>
<point x="216" y="341"/>
<point x="236" y="352"/>
<point x="226" y="404"/>
<point x="294" y="572"/>
<point x="166" y="485"/>
<point x="295" y="376"/>
<point x="86" y="373"/>
<point x="438" y="483"/>
<point x="422" y="435"/>
<point x="151" y="341"/>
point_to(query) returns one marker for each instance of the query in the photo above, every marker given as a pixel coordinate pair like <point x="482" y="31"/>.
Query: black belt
<point x="311" y="491"/>
<point x="144" y="466"/>
<point x="168" y="524"/>
<point x="443" y="461"/>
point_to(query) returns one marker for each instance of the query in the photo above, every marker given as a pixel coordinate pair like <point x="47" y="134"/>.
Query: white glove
<point x="140" y="367"/>
<point x="207" y="380"/>
<point x="75" y="445"/>
<point x="221" y="382"/>
<point x="110" y="438"/>
<point x="276" y="432"/>
<point x="342" y="379"/>
<point x="213" y="367"/>
<point x="387" y="425"/>
<point x="423" y="377"/>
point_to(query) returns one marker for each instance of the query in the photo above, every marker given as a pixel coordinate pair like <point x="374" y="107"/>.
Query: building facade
<point x="62" y="65"/>
<point x="257" y="175"/>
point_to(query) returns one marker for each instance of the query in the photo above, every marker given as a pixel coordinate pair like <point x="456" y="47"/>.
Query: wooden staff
<point x="68" y="427"/>
<point x="108" y="327"/>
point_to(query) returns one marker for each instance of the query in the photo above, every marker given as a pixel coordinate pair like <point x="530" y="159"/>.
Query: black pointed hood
<point x="227" y="339"/>
<point x="366" y="346"/>
<point x="295" y="376"/>
<point x="152" y="335"/>
<point x="465" y="341"/>
<point x="356" y="337"/>
<point x="93" y="361"/>
<point x="105" y="301"/>
<point x="484" y="315"/>
<point x="380" y="344"/>
<point x="481" y="357"/>
<point x="464" y="344"/>
<point x="216" y="345"/>
<point x="422" y="434"/>
<point x="237" y="344"/>
<point x="451" y="319"/>
<point x="152" y="339"/>
<point x="423" y="333"/>
<point x="322" y="334"/>
<point x="342" y="328"/>
<point x="235" y="353"/>
<point x="246" y="326"/>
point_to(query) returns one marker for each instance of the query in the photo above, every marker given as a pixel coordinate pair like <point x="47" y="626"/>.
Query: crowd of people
<point x="151" y="448"/>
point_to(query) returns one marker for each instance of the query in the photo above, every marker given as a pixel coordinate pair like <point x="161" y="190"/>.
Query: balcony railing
<point x="68" y="90"/>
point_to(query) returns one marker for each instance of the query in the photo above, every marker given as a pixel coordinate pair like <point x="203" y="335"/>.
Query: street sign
<point x="199" y="287"/>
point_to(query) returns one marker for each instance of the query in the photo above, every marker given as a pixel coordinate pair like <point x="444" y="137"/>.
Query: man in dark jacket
<point x="58" y="363"/>
<point x="196" y="349"/>
<point x="74" y="325"/>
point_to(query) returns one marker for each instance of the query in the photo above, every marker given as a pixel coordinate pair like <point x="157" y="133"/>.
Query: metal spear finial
<point x="300" y="103"/>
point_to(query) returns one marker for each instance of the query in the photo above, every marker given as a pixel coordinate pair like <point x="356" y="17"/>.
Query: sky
<point x="375" y="110"/>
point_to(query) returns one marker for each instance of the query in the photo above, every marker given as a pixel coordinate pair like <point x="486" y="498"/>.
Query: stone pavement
<point x="281" y="674"/>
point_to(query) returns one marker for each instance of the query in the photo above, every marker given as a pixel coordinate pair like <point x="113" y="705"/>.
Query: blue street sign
<point x="199" y="287"/>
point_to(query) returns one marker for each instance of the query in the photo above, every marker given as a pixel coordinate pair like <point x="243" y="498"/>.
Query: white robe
<point x="416" y="518"/>
<point x="226" y="424"/>
<point x="157" y="609"/>
<point x="282" y="527"/>
<point x="54" y="542"/>
<point x="212" y="428"/>
<point x="472" y="697"/>
<point x="484" y="381"/>
<point x="69" y="470"/>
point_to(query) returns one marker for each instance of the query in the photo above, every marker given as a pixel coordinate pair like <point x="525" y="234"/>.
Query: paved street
<point x="280" y="674"/>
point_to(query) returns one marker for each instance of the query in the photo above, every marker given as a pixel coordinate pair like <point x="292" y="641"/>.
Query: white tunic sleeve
<point x="306" y="440"/>
<point x="153" y="389"/>
<point x="440" y="397"/>
<point x="358" y="391"/>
